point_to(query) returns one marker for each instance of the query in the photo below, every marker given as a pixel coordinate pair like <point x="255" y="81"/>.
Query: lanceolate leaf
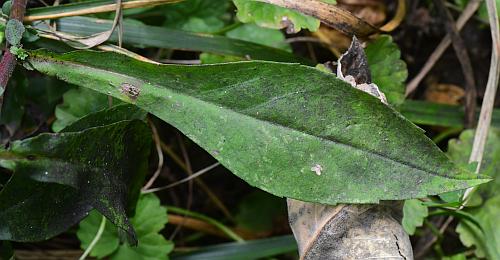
<point x="155" y="36"/>
<point x="288" y="129"/>
<point x="59" y="178"/>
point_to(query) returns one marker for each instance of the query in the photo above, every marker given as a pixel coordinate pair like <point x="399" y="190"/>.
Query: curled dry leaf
<point x="350" y="231"/>
<point x="330" y="15"/>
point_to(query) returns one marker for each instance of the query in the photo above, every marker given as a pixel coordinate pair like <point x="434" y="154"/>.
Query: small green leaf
<point x="78" y="103"/>
<point x="487" y="244"/>
<point x="272" y="16"/>
<point x="150" y="218"/>
<point x="196" y="15"/>
<point x="59" y="178"/>
<point x="14" y="32"/>
<point x="388" y="70"/>
<point x="6" y="7"/>
<point x="414" y="213"/>
<point x="271" y="123"/>
<point x="252" y="33"/>
<point x="19" y="52"/>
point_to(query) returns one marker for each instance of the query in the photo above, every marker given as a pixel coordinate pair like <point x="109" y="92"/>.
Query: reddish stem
<point x="8" y="62"/>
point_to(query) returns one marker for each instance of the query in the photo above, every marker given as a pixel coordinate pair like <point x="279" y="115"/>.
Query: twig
<point x="463" y="58"/>
<point x="218" y="203"/>
<point x="190" y="177"/>
<point x="99" y="9"/>
<point x="468" y="12"/>
<point x="210" y="220"/>
<point x="397" y="19"/>
<point x="489" y="95"/>
<point x="8" y="62"/>
<point x="95" y="240"/>
<point x="196" y="224"/>
<point x="330" y="15"/>
<point x="156" y="139"/>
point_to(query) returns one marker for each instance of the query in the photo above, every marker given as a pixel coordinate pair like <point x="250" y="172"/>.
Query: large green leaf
<point x="59" y="178"/>
<point x="275" y="124"/>
<point x="150" y="218"/>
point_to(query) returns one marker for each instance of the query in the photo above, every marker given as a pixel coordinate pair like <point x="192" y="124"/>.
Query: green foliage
<point x="414" y="213"/>
<point x="161" y="37"/>
<point x="197" y="15"/>
<point x="260" y="118"/>
<point x="272" y="16"/>
<point x="59" y="178"/>
<point x="253" y="249"/>
<point x="259" y="210"/>
<point x="7" y="5"/>
<point x="149" y="220"/>
<point x="388" y="70"/>
<point x="14" y="32"/>
<point x="487" y="244"/>
<point x="78" y="103"/>
<point x="252" y="33"/>
<point x="19" y="52"/>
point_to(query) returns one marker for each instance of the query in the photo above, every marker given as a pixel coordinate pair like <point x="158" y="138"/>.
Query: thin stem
<point x="489" y="95"/>
<point x="156" y="139"/>
<point x="468" y="12"/>
<point x="95" y="240"/>
<point x="210" y="220"/>
<point x="190" y="177"/>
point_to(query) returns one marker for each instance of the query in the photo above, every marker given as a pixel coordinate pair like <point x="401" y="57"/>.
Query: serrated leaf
<point x="78" y="103"/>
<point x="196" y="15"/>
<point x="272" y="123"/>
<point x="150" y="218"/>
<point x="387" y="69"/>
<point x="487" y="244"/>
<point x="414" y="213"/>
<point x="272" y="16"/>
<point x="59" y="178"/>
<point x="14" y="32"/>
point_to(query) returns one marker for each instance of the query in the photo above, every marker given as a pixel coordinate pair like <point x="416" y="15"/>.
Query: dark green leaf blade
<point x="255" y="249"/>
<point x="59" y="178"/>
<point x="154" y="36"/>
<point x="273" y="123"/>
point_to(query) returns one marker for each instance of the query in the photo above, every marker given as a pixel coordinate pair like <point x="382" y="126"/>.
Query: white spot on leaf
<point x="317" y="169"/>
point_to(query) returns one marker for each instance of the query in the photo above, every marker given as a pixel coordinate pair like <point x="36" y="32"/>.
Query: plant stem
<point x="95" y="240"/>
<point x="8" y="62"/>
<point x="212" y="221"/>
